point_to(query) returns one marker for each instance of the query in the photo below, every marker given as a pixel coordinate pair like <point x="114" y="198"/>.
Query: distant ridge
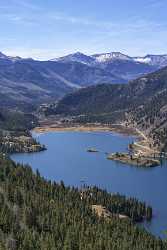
<point x="119" y="64"/>
<point x="29" y="82"/>
<point x="154" y="60"/>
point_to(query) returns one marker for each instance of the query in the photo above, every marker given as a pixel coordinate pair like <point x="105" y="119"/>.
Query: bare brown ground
<point x="117" y="128"/>
<point x="102" y="211"/>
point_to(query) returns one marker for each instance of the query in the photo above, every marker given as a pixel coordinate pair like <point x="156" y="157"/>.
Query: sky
<point x="45" y="29"/>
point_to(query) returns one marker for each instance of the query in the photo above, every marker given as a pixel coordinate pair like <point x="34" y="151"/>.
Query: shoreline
<point x="115" y="128"/>
<point x="141" y="144"/>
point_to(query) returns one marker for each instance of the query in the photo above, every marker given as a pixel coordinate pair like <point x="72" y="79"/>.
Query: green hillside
<point x="37" y="214"/>
<point x="142" y="103"/>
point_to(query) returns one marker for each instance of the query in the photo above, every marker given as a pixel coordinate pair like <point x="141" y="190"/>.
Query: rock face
<point x="103" y="212"/>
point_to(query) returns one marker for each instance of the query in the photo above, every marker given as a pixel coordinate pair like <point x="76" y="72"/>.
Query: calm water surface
<point x="66" y="159"/>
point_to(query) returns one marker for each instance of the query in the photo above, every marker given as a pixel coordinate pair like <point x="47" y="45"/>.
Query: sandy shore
<point x="141" y="145"/>
<point x="116" y="128"/>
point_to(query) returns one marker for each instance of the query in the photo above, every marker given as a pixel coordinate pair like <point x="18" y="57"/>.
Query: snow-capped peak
<point x="111" y="56"/>
<point x="154" y="60"/>
<point x="11" y="58"/>
<point x="76" y="57"/>
<point x="142" y="59"/>
<point x="3" y="56"/>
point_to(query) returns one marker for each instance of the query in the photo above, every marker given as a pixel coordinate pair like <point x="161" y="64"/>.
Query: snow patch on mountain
<point x="3" y="56"/>
<point x="142" y="60"/>
<point x="76" y="57"/>
<point x="11" y="58"/>
<point x="105" y="57"/>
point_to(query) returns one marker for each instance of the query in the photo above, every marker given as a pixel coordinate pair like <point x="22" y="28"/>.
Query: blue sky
<point x="49" y="28"/>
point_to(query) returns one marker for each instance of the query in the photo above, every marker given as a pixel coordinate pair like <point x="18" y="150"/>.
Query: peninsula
<point x="133" y="160"/>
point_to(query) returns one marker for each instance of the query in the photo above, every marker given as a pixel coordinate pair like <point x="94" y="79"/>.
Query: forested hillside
<point x="118" y="64"/>
<point x="142" y="103"/>
<point x="16" y="121"/>
<point x="15" y="136"/>
<point x="26" y="83"/>
<point x="37" y="214"/>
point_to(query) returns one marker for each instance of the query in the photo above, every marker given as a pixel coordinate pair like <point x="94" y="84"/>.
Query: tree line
<point x="40" y="214"/>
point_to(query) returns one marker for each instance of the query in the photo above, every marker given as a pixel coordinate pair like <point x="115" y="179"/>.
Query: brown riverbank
<point x="116" y="128"/>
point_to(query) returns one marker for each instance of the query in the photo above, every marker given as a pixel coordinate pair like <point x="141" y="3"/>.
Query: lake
<point x="67" y="159"/>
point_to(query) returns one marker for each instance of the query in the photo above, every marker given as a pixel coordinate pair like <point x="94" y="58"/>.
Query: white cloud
<point x="36" y="53"/>
<point x="26" y="4"/>
<point x="40" y="17"/>
<point x="156" y="4"/>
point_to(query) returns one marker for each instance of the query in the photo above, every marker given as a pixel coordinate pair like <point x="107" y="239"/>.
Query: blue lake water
<point x="67" y="159"/>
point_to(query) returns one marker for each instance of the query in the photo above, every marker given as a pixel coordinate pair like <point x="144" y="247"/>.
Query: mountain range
<point x="124" y="66"/>
<point x="27" y="82"/>
<point x="152" y="60"/>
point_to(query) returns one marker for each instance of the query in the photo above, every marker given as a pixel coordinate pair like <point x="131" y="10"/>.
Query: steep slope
<point x="151" y="115"/>
<point x="142" y="103"/>
<point x="119" y="64"/>
<point x="3" y="56"/>
<point x="76" y="57"/>
<point x="80" y="74"/>
<point x="159" y="61"/>
<point x="14" y="121"/>
<point x="107" y="57"/>
<point x="127" y="69"/>
<point x="92" y="100"/>
<point x="112" y="97"/>
<point x="40" y="214"/>
<point x="26" y="82"/>
<point x="22" y="84"/>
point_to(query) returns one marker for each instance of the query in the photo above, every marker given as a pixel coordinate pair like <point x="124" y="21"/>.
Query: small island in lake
<point x="133" y="160"/>
<point x="92" y="150"/>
